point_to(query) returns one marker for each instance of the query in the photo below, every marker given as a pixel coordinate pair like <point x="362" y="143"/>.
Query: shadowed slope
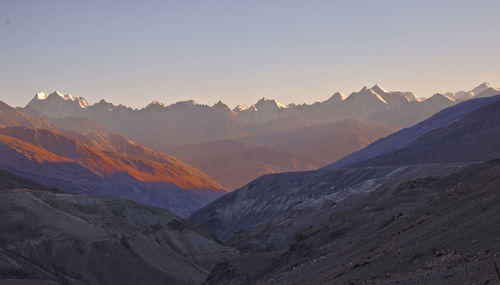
<point x="88" y="239"/>
<point x="475" y="137"/>
<point x="404" y="137"/>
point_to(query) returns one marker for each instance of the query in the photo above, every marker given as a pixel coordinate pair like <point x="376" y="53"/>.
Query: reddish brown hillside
<point x="43" y="145"/>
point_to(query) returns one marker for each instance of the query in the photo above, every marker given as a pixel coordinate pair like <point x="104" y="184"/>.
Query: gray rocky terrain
<point x="427" y="230"/>
<point x="269" y="212"/>
<point x="63" y="238"/>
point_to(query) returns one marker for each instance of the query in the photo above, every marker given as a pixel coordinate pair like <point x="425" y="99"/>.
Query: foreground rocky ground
<point x="429" y="230"/>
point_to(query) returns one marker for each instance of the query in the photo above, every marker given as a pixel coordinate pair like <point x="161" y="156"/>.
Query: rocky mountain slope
<point x="474" y="137"/>
<point x="99" y="162"/>
<point x="269" y="212"/>
<point x="148" y="167"/>
<point x="428" y="230"/>
<point x="51" y="237"/>
<point x="57" y="160"/>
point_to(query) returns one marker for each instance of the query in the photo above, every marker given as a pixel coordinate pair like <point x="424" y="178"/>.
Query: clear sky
<point x="133" y="52"/>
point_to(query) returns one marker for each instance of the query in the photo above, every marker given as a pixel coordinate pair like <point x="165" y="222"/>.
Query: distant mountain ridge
<point x="313" y="135"/>
<point x="260" y="158"/>
<point x="187" y="122"/>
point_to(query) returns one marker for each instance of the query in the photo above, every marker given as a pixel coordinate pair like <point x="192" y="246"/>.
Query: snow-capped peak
<point x="240" y="108"/>
<point x="280" y="105"/>
<point x="270" y="102"/>
<point x="156" y="102"/>
<point x="366" y="93"/>
<point x="41" y="95"/>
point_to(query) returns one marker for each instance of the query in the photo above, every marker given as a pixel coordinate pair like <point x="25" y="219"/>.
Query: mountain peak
<point x="104" y="102"/>
<point x="41" y="95"/>
<point x="56" y="95"/>
<point x="263" y="102"/>
<point x="366" y="96"/>
<point x="378" y="89"/>
<point x="485" y="85"/>
<point x="156" y="102"/>
<point x="368" y="92"/>
<point x="189" y="104"/>
<point x="155" y="105"/>
<point x="336" y="97"/>
<point x="481" y="88"/>
<point x="221" y="107"/>
<point x="439" y="97"/>
<point x="240" y="108"/>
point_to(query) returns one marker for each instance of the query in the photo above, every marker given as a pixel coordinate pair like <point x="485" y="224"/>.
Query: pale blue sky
<point x="132" y="52"/>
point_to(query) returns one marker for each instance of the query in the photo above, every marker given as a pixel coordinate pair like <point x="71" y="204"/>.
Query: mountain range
<point x="470" y="125"/>
<point x="100" y="163"/>
<point x="201" y="123"/>
<point x="274" y="137"/>
<point x="235" y="163"/>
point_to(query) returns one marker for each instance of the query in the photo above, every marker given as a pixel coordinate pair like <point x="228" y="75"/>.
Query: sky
<point x="134" y="52"/>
